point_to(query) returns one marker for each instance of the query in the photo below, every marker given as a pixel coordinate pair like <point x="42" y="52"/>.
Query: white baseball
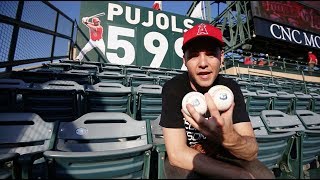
<point x="197" y="100"/>
<point x="222" y="97"/>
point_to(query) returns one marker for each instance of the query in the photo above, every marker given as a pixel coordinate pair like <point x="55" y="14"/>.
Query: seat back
<point x="28" y="136"/>
<point x="104" y="145"/>
<point x="35" y="76"/>
<point x="315" y="102"/>
<point x="112" y="77"/>
<point x="108" y="97"/>
<point x="9" y="94"/>
<point x="55" y="100"/>
<point x="135" y="80"/>
<point x="93" y="69"/>
<point x="79" y="76"/>
<point x="159" y="148"/>
<point x="147" y="102"/>
<point x="277" y="121"/>
<point x="272" y="147"/>
<point x="302" y="101"/>
<point x="311" y="139"/>
<point x="24" y="133"/>
<point x="256" y="103"/>
<point x="284" y="102"/>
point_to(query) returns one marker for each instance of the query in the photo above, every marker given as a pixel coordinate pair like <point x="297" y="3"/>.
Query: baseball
<point x="222" y="97"/>
<point x="197" y="100"/>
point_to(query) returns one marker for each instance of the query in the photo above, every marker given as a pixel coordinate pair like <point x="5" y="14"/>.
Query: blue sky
<point x="72" y="8"/>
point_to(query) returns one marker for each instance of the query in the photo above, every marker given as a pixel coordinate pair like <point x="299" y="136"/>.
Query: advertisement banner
<point x="283" y="33"/>
<point x="290" y="13"/>
<point x="128" y="34"/>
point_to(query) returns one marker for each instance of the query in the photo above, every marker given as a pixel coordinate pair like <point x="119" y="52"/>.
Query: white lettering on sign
<point x="114" y="42"/>
<point x="286" y="33"/>
<point x="129" y="19"/>
<point x="161" y="20"/>
<point x="159" y="51"/>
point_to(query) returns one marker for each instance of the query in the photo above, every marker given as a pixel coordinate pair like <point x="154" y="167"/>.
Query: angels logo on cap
<point x="202" y="29"/>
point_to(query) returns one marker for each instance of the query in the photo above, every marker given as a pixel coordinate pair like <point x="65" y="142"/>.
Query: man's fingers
<point x="229" y="112"/>
<point x="190" y="120"/>
<point x="211" y="106"/>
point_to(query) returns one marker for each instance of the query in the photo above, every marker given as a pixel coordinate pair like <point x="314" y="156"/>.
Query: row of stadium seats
<point x="109" y="145"/>
<point x="288" y="144"/>
<point x="254" y="83"/>
<point x="94" y="146"/>
<point x="107" y="67"/>
<point x="85" y="77"/>
<point x="259" y="100"/>
<point x="59" y="100"/>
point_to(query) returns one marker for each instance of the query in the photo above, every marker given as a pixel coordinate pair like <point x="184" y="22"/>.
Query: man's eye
<point x="211" y="54"/>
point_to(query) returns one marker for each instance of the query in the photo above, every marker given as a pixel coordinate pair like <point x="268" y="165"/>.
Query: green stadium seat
<point x="112" y="77"/>
<point x="135" y="70"/>
<point x="134" y="80"/>
<point x="8" y="164"/>
<point x="93" y="69"/>
<point x="302" y="101"/>
<point x="308" y="140"/>
<point x="311" y="141"/>
<point x="271" y="87"/>
<point x="172" y="73"/>
<point x="254" y="86"/>
<point x="10" y="102"/>
<point x="156" y="73"/>
<point x="159" y="149"/>
<point x="24" y="138"/>
<point x="108" y="97"/>
<point x="284" y="102"/>
<point x="101" y="145"/>
<point x="147" y="102"/>
<point x="59" y="66"/>
<point x="35" y="76"/>
<point x="80" y="76"/>
<point x="55" y="100"/>
<point x="117" y="69"/>
<point x="272" y="146"/>
<point x="255" y="103"/>
<point x="243" y="84"/>
<point x="163" y="79"/>
<point x="315" y="107"/>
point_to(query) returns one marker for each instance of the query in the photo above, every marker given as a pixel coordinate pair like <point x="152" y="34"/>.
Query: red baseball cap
<point x="202" y="30"/>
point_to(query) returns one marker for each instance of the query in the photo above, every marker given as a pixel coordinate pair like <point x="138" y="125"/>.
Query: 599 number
<point x="114" y="42"/>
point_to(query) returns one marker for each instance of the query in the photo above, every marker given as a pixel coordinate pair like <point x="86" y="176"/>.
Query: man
<point x="247" y="60"/>
<point x="96" y="37"/>
<point x="312" y="61"/>
<point x="218" y="144"/>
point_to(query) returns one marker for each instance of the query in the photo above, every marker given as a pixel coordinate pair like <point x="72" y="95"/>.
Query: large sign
<point x="280" y="32"/>
<point x="289" y="13"/>
<point x="130" y="34"/>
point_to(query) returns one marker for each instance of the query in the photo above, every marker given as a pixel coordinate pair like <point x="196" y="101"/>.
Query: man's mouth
<point x="204" y="75"/>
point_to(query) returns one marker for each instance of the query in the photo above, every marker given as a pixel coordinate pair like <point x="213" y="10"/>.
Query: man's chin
<point x="205" y="84"/>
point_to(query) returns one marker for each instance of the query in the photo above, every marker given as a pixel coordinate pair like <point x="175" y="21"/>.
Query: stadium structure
<point x="81" y="105"/>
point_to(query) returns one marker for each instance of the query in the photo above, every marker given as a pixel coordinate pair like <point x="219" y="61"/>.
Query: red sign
<point x="289" y="13"/>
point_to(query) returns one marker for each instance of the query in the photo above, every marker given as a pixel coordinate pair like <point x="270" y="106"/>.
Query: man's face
<point x="97" y="23"/>
<point x="202" y="59"/>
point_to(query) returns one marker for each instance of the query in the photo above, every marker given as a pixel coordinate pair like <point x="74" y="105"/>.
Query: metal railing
<point x="33" y="32"/>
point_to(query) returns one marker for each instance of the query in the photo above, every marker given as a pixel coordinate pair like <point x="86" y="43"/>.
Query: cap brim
<point x="214" y="40"/>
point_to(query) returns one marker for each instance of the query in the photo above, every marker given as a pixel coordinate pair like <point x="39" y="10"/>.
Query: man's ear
<point x="222" y="56"/>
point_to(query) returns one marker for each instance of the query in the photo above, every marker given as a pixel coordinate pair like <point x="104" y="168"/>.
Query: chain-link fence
<point x="33" y="32"/>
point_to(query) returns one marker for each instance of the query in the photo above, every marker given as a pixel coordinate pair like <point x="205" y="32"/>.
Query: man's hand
<point x="217" y="127"/>
<point x="85" y="19"/>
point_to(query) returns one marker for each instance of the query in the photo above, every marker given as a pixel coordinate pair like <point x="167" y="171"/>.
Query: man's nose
<point x="203" y="60"/>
